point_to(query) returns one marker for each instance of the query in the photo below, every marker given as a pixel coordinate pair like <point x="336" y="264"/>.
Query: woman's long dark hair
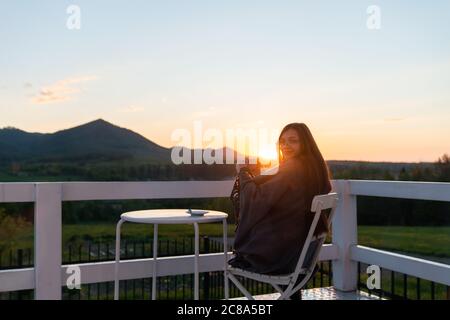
<point x="313" y="166"/>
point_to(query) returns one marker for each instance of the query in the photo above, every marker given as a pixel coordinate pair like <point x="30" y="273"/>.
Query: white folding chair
<point x="306" y="263"/>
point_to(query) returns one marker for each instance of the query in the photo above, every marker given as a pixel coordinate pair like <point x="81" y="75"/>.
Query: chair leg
<point x="285" y="295"/>
<point x="277" y="287"/>
<point x="302" y="283"/>
<point x="299" y="286"/>
<point x="240" y="287"/>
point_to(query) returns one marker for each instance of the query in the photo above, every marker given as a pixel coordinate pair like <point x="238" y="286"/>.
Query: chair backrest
<point x="311" y="248"/>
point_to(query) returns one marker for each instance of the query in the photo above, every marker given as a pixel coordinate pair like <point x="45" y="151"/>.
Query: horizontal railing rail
<point x="436" y="191"/>
<point x="86" y="191"/>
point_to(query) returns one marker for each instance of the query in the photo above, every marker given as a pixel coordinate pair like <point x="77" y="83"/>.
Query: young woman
<point x="273" y="212"/>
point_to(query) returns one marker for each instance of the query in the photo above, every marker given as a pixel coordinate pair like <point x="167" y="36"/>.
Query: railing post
<point x="47" y="241"/>
<point x="345" y="235"/>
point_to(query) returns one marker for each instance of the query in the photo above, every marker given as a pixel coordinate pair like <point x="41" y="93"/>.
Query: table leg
<point x="225" y="249"/>
<point x="116" y="268"/>
<point x="155" y="255"/>
<point x="196" y="280"/>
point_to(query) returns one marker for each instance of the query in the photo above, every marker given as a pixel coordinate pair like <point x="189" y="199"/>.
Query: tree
<point x="387" y="175"/>
<point x="443" y="168"/>
<point x="10" y="227"/>
<point x="417" y="174"/>
<point x="404" y="175"/>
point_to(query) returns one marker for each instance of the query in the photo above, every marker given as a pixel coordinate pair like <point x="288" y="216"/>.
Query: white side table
<point x="171" y="216"/>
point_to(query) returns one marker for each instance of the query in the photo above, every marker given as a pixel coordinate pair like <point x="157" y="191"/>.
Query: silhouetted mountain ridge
<point x="96" y="139"/>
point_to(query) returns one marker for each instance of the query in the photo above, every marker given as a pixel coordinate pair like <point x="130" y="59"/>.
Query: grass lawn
<point x="428" y="241"/>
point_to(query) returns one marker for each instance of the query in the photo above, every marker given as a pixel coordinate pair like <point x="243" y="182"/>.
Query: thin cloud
<point x="211" y="111"/>
<point x="250" y="124"/>
<point x="60" y="91"/>
<point x="394" y="119"/>
<point x="131" y="109"/>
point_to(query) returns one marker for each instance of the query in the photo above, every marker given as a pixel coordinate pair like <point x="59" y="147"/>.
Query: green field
<point x="427" y="241"/>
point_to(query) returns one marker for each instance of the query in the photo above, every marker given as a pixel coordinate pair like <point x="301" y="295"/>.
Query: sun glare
<point x="268" y="153"/>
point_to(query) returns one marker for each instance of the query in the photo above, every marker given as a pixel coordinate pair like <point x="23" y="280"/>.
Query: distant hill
<point x="98" y="139"/>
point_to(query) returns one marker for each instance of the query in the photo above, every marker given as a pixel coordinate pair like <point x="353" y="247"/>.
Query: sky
<point x="374" y="94"/>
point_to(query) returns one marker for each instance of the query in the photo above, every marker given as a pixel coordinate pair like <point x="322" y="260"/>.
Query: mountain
<point x="98" y="139"/>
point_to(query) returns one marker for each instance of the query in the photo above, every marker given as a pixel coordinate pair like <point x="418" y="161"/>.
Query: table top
<point x="171" y="216"/>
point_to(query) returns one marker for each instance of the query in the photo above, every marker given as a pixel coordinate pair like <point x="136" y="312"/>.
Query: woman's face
<point x="289" y="144"/>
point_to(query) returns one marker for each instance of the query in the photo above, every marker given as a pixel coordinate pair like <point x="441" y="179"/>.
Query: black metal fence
<point x="179" y="287"/>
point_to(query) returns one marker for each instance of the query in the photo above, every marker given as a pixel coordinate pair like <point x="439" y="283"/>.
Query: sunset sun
<point x="267" y="153"/>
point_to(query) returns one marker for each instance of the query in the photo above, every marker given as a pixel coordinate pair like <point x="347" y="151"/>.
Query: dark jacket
<point x="273" y="222"/>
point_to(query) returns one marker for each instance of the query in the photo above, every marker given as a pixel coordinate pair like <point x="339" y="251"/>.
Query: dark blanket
<point x="272" y="220"/>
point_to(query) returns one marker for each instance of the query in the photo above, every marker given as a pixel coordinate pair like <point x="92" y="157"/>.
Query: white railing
<point x="344" y="250"/>
<point x="420" y="268"/>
